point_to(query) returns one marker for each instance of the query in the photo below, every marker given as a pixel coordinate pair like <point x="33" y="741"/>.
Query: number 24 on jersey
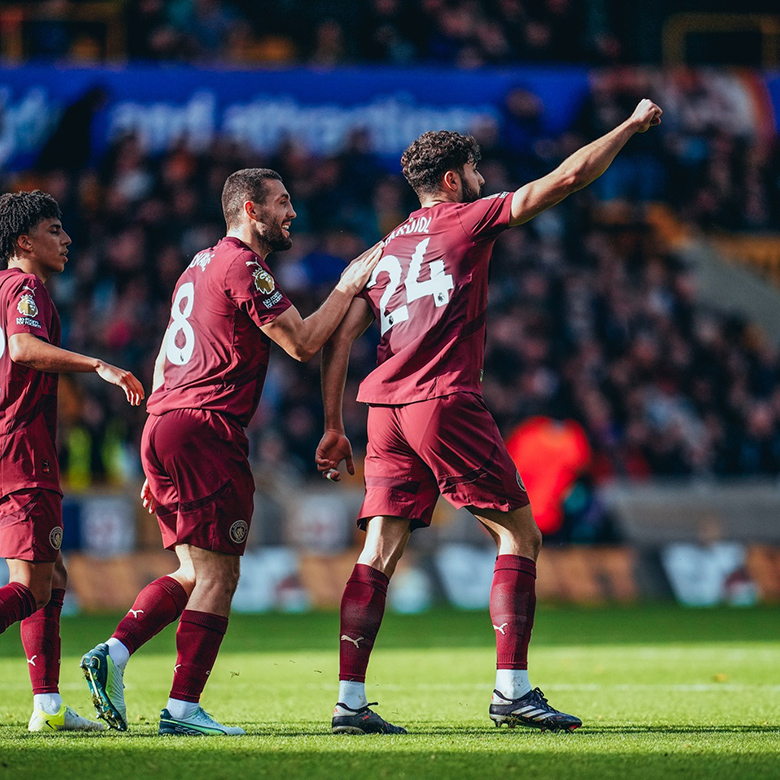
<point x="438" y="286"/>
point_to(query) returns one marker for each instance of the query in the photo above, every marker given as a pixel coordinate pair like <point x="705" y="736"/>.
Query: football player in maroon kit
<point x="429" y="432"/>
<point x="227" y="308"/>
<point x="33" y="246"/>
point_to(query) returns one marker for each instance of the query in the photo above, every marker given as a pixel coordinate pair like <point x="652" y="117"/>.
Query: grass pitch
<point x="664" y="692"/>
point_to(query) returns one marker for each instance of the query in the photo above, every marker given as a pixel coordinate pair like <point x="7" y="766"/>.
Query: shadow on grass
<point x="293" y="732"/>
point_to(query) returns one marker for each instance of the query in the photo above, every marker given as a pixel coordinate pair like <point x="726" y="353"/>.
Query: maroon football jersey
<point x="28" y="398"/>
<point x="216" y="356"/>
<point x="429" y="295"/>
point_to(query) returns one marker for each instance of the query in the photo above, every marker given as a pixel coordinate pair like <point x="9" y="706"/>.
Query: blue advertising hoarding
<point x="257" y="109"/>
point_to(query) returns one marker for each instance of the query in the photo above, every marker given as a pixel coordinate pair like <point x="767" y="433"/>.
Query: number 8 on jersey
<point x="180" y="339"/>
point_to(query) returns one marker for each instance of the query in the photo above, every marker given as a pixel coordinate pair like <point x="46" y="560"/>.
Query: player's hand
<point x="645" y="115"/>
<point x="358" y="272"/>
<point x="121" y="378"/>
<point x="150" y="505"/>
<point x="332" y="449"/>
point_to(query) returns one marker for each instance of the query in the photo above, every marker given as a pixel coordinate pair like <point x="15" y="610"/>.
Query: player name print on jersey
<point x="416" y="225"/>
<point x="202" y="259"/>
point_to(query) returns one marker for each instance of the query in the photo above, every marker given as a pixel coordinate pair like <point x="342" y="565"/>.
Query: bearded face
<point x="274" y="230"/>
<point x="471" y="183"/>
<point x="471" y="192"/>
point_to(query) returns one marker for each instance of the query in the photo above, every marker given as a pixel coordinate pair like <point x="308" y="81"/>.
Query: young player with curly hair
<point x="429" y="431"/>
<point x="33" y="246"/>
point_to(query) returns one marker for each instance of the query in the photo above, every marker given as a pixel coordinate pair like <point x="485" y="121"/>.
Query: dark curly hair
<point x="426" y="161"/>
<point x="20" y="212"/>
<point x="241" y="186"/>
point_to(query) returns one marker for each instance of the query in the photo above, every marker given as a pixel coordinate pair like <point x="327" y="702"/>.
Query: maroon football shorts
<point x="197" y="465"/>
<point x="31" y="525"/>
<point x="449" y="446"/>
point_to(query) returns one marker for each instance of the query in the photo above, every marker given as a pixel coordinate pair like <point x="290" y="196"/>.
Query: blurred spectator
<point x="49" y="34"/>
<point x="388" y="32"/>
<point x="591" y="319"/>
<point x="329" y="46"/>
<point x="70" y="146"/>
<point x="465" y="33"/>
<point x="551" y="455"/>
<point x="209" y="26"/>
<point x="201" y="30"/>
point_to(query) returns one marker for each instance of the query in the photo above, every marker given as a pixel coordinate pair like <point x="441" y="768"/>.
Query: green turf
<point x="664" y="693"/>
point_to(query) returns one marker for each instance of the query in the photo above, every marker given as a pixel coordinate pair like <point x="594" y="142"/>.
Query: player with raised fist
<point x="429" y="431"/>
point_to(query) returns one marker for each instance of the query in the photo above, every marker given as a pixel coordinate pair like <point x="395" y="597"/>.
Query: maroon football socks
<point x="512" y="607"/>
<point x="16" y="603"/>
<point x="41" y="641"/>
<point x="197" y="642"/>
<point x="362" y="609"/>
<point x="155" y="607"/>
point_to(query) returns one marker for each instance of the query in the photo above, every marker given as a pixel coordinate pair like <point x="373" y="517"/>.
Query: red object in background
<point x="550" y="455"/>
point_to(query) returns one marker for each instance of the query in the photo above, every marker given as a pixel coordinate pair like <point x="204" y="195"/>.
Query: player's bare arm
<point x="334" y="447"/>
<point x="303" y="338"/>
<point x="582" y="167"/>
<point x="32" y="352"/>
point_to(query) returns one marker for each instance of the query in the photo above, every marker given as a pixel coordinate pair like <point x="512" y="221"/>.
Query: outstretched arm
<point x="303" y="338"/>
<point x="582" y="167"/>
<point x="334" y="445"/>
<point x="32" y="352"/>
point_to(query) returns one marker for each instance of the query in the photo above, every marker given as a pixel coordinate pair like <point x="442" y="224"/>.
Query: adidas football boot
<point x="530" y="710"/>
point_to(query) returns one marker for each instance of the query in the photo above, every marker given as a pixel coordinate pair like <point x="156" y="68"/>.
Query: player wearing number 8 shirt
<point x="429" y="432"/>
<point x="227" y="308"/>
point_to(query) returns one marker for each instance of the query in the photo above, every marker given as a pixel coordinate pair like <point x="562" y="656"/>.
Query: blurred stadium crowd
<point x="461" y="33"/>
<point x="592" y="317"/>
<point x="465" y="33"/>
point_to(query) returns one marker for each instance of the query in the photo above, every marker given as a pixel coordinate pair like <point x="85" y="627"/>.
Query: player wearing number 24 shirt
<point x="227" y="308"/>
<point x="429" y="431"/>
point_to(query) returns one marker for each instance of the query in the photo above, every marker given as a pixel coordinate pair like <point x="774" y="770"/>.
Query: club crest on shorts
<point x="27" y="306"/>
<point x="520" y="482"/>
<point x="238" y="531"/>
<point x="55" y="537"/>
